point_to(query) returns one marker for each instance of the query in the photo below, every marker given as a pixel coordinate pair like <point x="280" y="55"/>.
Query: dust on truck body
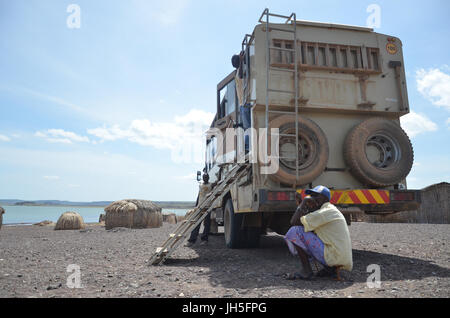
<point x="345" y="87"/>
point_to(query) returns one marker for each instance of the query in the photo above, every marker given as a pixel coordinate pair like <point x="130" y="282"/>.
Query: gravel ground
<point x="414" y="260"/>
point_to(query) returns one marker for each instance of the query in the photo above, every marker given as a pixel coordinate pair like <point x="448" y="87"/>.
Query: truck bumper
<point x="372" y="201"/>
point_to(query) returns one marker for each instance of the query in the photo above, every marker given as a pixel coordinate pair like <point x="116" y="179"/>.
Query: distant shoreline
<point x="101" y="204"/>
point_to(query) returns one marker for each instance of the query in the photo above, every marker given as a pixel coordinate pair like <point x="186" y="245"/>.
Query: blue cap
<point x="320" y="189"/>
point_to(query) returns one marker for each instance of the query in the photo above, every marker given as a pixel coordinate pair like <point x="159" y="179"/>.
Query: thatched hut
<point x="1" y="216"/>
<point x="130" y="213"/>
<point x="170" y="218"/>
<point x="70" y="221"/>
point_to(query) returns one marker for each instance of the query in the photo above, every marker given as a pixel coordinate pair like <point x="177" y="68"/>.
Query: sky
<point x="99" y="98"/>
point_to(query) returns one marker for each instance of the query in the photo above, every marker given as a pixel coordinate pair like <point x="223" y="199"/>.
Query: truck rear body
<point x="347" y="78"/>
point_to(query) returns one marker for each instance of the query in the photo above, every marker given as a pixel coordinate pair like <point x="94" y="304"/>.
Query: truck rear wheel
<point x="312" y="150"/>
<point x="378" y="152"/>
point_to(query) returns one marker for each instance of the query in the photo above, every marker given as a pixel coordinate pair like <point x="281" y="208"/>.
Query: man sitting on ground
<point x="321" y="234"/>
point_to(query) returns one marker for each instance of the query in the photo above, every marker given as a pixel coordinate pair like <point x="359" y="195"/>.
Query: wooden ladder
<point x="197" y="215"/>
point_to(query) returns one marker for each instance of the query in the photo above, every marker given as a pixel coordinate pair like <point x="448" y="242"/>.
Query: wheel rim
<point x="382" y="151"/>
<point x="306" y="150"/>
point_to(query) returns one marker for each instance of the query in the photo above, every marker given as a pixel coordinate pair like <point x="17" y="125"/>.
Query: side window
<point x="231" y="98"/>
<point x="208" y="157"/>
<point x="223" y="102"/>
<point x="227" y="99"/>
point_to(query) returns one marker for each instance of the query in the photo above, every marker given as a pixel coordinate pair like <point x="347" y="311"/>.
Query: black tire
<point x="235" y="236"/>
<point x="378" y="152"/>
<point x="313" y="150"/>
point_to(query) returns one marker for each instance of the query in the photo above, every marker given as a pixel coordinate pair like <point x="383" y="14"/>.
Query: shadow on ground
<point x="265" y="266"/>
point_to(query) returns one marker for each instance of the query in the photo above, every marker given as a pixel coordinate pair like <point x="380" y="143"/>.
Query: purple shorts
<point x="307" y="241"/>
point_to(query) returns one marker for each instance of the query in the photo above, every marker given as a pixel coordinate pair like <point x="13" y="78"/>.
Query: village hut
<point x="2" y="211"/>
<point x="70" y="221"/>
<point x="170" y="218"/>
<point x="130" y="213"/>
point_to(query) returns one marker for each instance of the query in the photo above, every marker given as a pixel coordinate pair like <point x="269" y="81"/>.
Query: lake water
<point x="33" y="214"/>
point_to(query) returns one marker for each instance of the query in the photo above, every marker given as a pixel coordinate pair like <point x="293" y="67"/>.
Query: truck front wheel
<point x="234" y="232"/>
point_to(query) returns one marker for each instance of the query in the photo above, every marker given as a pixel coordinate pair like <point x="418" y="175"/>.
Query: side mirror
<point x="199" y="175"/>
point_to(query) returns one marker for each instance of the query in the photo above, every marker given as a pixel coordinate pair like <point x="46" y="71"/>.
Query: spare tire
<point x="312" y="151"/>
<point x="378" y="152"/>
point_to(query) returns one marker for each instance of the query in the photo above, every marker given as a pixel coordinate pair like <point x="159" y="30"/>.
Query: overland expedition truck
<point x="336" y="93"/>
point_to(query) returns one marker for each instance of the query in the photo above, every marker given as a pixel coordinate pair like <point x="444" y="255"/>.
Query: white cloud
<point x="61" y="136"/>
<point x="51" y="177"/>
<point x="161" y="135"/>
<point x="415" y="124"/>
<point x="434" y="85"/>
<point x="45" y="97"/>
<point x="448" y="123"/>
<point x="168" y="12"/>
<point x="4" y="138"/>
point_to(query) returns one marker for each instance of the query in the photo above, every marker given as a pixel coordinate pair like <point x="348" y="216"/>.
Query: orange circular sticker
<point x="391" y="48"/>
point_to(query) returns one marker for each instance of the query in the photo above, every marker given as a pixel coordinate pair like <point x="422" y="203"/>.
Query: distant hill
<point x="162" y="204"/>
<point x="56" y="203"/>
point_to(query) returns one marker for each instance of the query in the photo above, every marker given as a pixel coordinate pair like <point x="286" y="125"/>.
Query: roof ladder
<point x="292" y="19"/>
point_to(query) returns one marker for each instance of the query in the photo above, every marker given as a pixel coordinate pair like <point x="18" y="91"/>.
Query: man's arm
<point x="307" y="206"/>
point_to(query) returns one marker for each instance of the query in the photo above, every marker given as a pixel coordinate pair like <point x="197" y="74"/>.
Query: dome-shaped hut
<point x="131" y="213"/>
<point x="70" y="221"/>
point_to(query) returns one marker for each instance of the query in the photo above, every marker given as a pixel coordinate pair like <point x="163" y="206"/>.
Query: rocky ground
<point x="414" y="260"/>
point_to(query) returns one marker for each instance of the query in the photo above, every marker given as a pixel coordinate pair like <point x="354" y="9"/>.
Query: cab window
<point x="231" y="98"/>
<point x="228" y="99"/>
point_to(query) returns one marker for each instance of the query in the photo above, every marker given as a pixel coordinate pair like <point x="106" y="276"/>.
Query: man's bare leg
<point x="306" y="265"/>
